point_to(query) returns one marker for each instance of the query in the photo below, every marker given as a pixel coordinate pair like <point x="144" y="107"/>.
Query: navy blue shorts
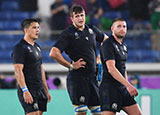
<point x="40" y="101"/>
<point x="83" y="89"/>
<point x="114" y="98"/>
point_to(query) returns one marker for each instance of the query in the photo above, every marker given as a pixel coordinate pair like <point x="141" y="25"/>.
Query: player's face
<point x="119" y="29"/>
<point x="78" y="19"/>
<point x="33" y="30"/>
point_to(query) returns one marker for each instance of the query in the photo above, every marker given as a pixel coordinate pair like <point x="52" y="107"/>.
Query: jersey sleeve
<point x="62" y="42"/>
<point x="18" y="55"/>
<point x="107" y="51"/>
<point x="99" y="34"/>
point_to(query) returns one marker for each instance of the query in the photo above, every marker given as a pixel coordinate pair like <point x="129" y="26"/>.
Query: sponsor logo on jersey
<point x="117" y="48"/>
<point x="38" y="48"/>
<point x="76" y="35"/>
<point x="87" y="38"/>
<point x="30" y="50"/>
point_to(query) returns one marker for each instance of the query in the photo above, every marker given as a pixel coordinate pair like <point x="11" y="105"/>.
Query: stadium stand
<point x="139" y="44"/>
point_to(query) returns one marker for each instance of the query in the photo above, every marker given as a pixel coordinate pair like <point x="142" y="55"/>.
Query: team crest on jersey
<point x="35" y="106"/>
<point x="90" y="31"/>
<point x="76" y="35"/>
<point x="82" y="99"/>
<point x="114" y="106"/>
<point x="30" y="50"/>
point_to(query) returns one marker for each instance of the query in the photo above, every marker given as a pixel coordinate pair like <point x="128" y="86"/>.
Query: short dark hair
<point x="117" y="19"/>
<point x="26" y="23"/>
<point x="76" y="9"/>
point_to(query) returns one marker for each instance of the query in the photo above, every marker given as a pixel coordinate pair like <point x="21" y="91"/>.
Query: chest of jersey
<point x="33" y="54"/>
<point x="120" y="52"/>
<point x="82" y="39"/>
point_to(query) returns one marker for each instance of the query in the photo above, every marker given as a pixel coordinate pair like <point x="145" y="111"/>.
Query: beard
<point x="35" y="38"/>
<point x="119" y="36"/>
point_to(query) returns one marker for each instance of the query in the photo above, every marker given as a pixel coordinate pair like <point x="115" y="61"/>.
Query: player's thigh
<point x="40" y="112"/>
<point x="132" y="110"/>
<point x="33" y="113"/>
<point x="78" y="90"/>
<point x="110" y="98"/>
<point x="108" y="113"/>
<point x="94" y="99"/>
<point x="28" y="108"/>
<point x="42" y="100"/>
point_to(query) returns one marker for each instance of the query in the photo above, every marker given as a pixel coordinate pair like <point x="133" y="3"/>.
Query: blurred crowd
<point x="55" y="12"/>
<point x="139" y="10"/>
<point x="139" y="14"/>
<point x="10" y="83"/>
<point x="54" y="15"/>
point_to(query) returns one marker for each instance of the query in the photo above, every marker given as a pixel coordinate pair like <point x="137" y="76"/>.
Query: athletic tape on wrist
<point x="24" y="89"/>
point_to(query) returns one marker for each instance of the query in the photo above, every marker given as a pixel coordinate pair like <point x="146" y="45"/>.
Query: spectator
<point x="45" y="29"/>
<point x="44" y="8"/>
<point x="105" y="5"/>
<point x="44" y="14"/>
<point x="155" y="40"/>
<point x="7" y="85"/>
<point x="3" y="83"/>
<point x="95" y="11"/>
<point x="117" y="4"/>
<point x="135" y="81"/>
<point x="0" y="3"/>
<point x="155" y="18"/>
<point x="152" y="5"/>
<point x="155" y="22"/>
<point x="83" y="3"/>
<point x="59" y="15"/>
<point x="28" y="5"/>
<point x="139" y="9"/>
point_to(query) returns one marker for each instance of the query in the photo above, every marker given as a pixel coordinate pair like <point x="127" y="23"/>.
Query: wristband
<point x="24" y="89"/>
<point x="71" y="67"/>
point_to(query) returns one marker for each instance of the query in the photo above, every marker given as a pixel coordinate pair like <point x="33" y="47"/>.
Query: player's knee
<point x="95" y="110"/>
<point x="80" y="108"/>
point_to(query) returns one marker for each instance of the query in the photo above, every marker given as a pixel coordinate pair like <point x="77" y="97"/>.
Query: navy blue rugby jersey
<point x="81" y="44"/>
<point x="31" y="57"/>
<point x="112" y="50"/>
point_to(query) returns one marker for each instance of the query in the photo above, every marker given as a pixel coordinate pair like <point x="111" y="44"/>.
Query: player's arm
<point x="55" y="53"/>
<point x="105" y="37"/>
<point x="21" y="81"/>
<point x="118" y="76"/>
<point x="58" y="9"/>
<point x="126" y="76"/>
<point x="45" y="83"/>
<point x="100" y="36"/>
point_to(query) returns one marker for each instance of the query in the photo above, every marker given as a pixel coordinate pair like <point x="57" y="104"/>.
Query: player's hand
<point x="28" y="97"/>
<point x="132" y="90"/>
<point x="49" y="97"/>
<point x="79" y="64"/>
